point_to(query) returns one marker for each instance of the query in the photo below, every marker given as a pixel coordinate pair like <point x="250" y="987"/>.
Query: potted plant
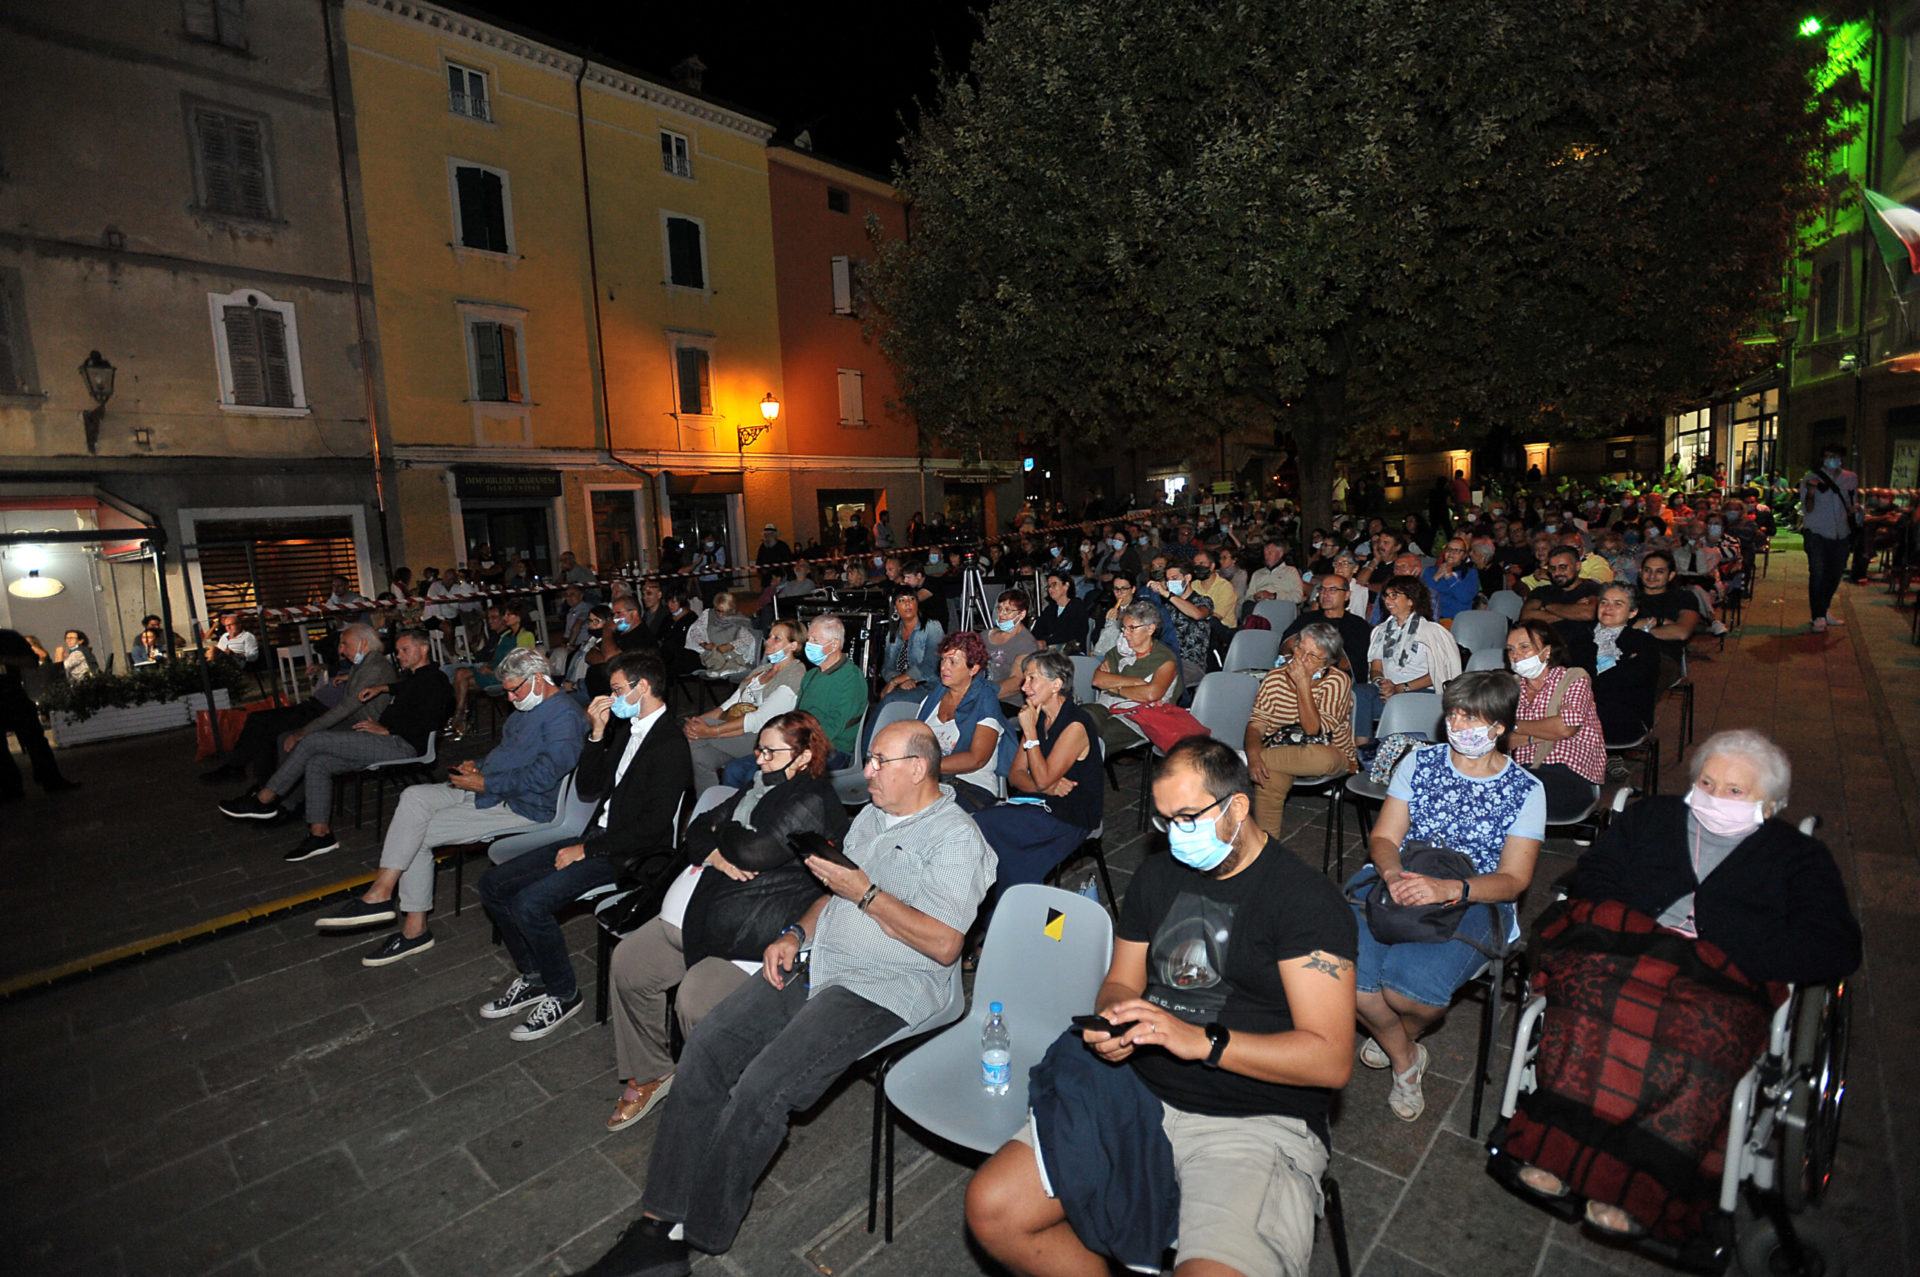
<point x="152" y="698"/>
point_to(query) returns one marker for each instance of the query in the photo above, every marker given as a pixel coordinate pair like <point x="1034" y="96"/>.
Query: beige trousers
<point x="645" y="965"/>
<point x="1285" y="764"/>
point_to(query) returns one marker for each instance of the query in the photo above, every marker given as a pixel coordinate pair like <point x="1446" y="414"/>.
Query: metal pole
<point x="206" y="675"/>
<point x="260" y="616"/>
<point x="166" y="603"/>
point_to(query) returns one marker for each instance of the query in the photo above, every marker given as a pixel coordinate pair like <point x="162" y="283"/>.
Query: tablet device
<point x="811" y="843"/>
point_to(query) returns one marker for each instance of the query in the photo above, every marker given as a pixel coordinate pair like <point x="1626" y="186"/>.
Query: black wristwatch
<point x="1218" y="1035"/>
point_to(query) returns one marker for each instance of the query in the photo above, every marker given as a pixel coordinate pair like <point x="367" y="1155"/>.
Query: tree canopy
<point x="1132" y="217"/>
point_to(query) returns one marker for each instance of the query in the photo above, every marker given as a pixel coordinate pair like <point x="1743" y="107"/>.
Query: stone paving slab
<point x="261" y="1103"/>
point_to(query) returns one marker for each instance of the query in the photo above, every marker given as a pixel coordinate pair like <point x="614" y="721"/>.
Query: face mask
<point x="1530" y="667"/>
<point x="531" y="701"/>
<point x="359" y="656"/>
<point x="1471" y="742"/>
<point x="1202" y="848"/>
<point x="1713" y="531"/>
<point x="774" y="658"/>
<point x="623" y="625"/>
<point x="1005" y="627"/>
<point x="1728" y="817"/>
<point x="1833" y="464"/>
<point x="1362" y="551"/>
<point x="624" y="708"/>
<point x="1551" y="527"/>
<point x="1086" y="547"/>
<point x="1118" y="543"/>
<point x="1201" y="574"/>
<point x="1176" y="587"/>
<point x="816" y="653"/>
<point x="933" y="558"/>
<point x="1140" y="540"/>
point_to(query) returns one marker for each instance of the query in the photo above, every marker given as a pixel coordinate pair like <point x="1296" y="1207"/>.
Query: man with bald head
<point x="884" y="945"/>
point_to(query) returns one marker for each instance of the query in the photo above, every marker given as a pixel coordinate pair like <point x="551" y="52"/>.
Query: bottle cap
<point x="993" y="1008"/>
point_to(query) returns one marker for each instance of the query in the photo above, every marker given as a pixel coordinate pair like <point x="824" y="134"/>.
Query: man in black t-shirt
<point x="1669" y="612"/>
<point x="1233" y="976"/>
<point x="1331" y="594"/>
<point x="1566" y="596"/>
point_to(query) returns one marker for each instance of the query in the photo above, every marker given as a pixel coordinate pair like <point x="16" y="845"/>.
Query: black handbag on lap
<point x="1393" y="923"/>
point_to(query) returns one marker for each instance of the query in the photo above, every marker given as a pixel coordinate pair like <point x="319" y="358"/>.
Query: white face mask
<point x="1530" y="667"/>
<point x="531" y="701"/>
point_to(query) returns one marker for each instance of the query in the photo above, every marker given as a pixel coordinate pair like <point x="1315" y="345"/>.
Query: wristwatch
<point x="1218" y="1035"/>
<point x="1029" y="744"/>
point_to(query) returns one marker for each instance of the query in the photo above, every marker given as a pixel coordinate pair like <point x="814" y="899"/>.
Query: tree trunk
<point x="1318" y="433"/>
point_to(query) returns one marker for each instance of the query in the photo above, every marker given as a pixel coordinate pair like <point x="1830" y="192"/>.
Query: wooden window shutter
<point x="197" y="17"/>
<point x="489" y="376"/>
<point x="695" y="376"/>
<point x="853" y="400"/>
<point x="244" y="360"/>
<point x="217" y="177"/>
<point x="683" y="253"/>
<point x="231" y="18"/>
<point x="483" y="209"/>
<point x="843" y="286"/>
<point x="509" y="362"/>
<point x="494" y="195"/>
<point x="250" y="169"/>
<point x="275" y="366"/>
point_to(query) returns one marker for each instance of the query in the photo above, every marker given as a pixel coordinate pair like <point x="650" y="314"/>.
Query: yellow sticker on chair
<point x="1056" y="924"/>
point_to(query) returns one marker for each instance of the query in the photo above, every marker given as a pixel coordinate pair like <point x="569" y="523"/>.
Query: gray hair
<point x="1492" y="696"/>
<point x="523" y="663"/>
<point x="1620" y="587"/>
<point x="1144" y="612"/>
<point x="831" y="627"/>
<point x="413" y="636"/>
<point x="1325" y="637"/>
<point x="1767" y="758"/>
<point x="366" y="634"/>
<point x="1056" y="666"/>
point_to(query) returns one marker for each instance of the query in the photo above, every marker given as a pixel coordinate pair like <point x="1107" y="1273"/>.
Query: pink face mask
<point x="1727" y="817"/>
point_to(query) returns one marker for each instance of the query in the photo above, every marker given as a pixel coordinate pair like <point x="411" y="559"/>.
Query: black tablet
<point x="810" y="843"/>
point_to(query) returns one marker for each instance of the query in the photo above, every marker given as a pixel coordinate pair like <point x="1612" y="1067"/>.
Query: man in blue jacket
<point x="513" y="788"/>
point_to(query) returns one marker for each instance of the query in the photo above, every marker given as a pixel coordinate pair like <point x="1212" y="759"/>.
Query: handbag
<point x="1294" y="734"/>
<point x="1163" y="724"/>
<point x="1393" y="923"/>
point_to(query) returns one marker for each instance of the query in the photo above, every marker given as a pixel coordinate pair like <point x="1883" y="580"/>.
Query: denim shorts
<point x="1426" y="973"/>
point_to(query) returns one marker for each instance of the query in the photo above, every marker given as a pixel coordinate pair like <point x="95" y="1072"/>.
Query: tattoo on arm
<point x="1319" y="960"/>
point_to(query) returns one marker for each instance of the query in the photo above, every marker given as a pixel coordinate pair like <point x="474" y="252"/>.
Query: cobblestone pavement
<point x="260" y="1102"/>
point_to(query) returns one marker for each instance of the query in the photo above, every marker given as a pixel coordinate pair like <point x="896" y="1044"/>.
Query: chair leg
<point x="1146" y="766"/>
<point x="1336" y="1224"/>
<point x="888" y="1154"/>
<point x="1106" y="880"/>
<point x="380" y="805"/>
<point x="459" y="879"/>
<point x="873" y="1150"/>
<point x="1489" y="1012"/>
<point x="359" y="797"/>
<point x="603" y="972"/>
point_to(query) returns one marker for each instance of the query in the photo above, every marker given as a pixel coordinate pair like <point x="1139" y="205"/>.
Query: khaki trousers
<point x="645" y="965"/>
<point x="1285" y="764"/>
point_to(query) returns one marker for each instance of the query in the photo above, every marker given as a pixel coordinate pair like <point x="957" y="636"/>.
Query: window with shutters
<point x="257" y="351"/>
<point x="232" y="169"/>
<point x="686" y="245"/>
<point x="494" y="347"/>
<point x="482" y="208"/>
<point x="676" y="155"/>
<point x="17" y="375"/>
<point x="839" y="201"/>
<point x="692" y="375"/>
<point x="845" y="281"/>
<point x="853" y="398"/>
<point x="1832" y="312"/>
<point x="467" y="93"/>
<point x="222" y="22"/>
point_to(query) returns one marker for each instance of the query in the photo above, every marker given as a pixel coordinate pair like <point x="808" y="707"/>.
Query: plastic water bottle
<point x="996" y="1054"/>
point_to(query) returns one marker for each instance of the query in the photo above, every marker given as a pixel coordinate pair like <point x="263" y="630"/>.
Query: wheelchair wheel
<point x="1761" y="1254"/>
<point x="1811" y="1131"/>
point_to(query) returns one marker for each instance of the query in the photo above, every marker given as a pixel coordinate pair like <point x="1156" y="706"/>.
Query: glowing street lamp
<point x="770" y="411"/>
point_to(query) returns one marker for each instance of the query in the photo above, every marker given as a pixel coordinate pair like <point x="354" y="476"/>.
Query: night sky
<point x="844" y="70"/>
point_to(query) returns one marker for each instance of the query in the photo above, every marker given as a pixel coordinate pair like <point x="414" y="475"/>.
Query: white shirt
<point x="635" y="735"/>
<point x="243" y="645"/>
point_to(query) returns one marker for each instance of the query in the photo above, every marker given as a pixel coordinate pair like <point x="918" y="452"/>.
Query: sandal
<point x="1543" y="1183"/>
<point x="1405" y="1100"/>
<point x="1613" y="1221"/>
<point x="638" y="1101"/>
<point x="1372" y="1056"/>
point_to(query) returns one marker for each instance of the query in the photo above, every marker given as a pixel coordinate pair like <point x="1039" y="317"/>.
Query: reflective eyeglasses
<point x="768" y="751"/>
<point x="876" y="761"/>
<point x="1186" y="824"/>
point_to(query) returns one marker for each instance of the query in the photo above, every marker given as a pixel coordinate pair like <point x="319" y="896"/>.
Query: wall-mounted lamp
<point x="99" y="378"/>
<point x="32" y="559"/>
<point x="770" y="410"/>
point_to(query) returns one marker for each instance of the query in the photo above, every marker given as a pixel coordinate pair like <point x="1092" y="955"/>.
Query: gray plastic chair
<point x="850" y="783"/>
<point x="1487" y="658"/>
<point x="1252" y="650"/>
<point x="1480" y="630"/>
<point x="1083" y="668"/>
<point x="1507" y="603"/>
<point x="1042" y="978"/>
<point x="1415" y="712"/>
<point x="1279" y="613"/>
<point x="1223" y="702"/>
<point x="570" y="815"/>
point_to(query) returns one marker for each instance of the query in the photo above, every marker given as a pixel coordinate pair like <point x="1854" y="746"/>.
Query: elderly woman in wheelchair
<point x="1661" y="971"/>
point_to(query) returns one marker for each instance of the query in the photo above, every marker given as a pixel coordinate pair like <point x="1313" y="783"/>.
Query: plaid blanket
<point x="1645" y="1036"/>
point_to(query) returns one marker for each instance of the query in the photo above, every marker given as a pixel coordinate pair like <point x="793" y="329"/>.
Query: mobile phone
<point x="808" y="842"/>
<point x="1100" y="1024"/>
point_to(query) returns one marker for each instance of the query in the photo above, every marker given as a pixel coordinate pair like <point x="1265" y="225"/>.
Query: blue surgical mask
<point x="1713" y="531"/>
<point x="1140" y="540"/>
<point x="1201" y="849"/>
<point x="623" y="625"/>
<point x="1117" y="543"/>
<point x="360" y="656"/>
<point x="933" y="558"/>
<point x="816" y="653"/>
<point x="624" y="708"/>
<point x="1176" y="587"/>
<point x="1006" y="627"/>
<point x="1832" y="463"/>
<point x="774" y="658"/>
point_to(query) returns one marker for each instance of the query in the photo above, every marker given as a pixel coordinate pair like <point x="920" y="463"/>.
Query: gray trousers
<point x="432" y="816"/>
<point x="645" y="965"/>
<point x="710" y="755"/>
<point x="318" y="758"/>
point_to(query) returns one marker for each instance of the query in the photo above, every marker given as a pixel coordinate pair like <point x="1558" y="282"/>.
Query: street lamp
<point x="770" y="410"/>
<point x="99" y="378"/>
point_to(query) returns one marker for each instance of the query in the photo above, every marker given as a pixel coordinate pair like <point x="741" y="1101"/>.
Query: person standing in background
<point x="1827" y="519"/>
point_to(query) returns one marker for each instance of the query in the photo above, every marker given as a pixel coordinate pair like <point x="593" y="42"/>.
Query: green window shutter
<point x="683" y="254"/>
<point x="483" y="209"/>
<point x="489" y="378"/>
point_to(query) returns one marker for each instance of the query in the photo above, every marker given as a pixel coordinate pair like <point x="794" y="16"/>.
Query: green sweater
<point x="838" y="698"/>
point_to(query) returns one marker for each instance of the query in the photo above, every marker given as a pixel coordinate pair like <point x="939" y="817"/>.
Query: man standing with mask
<point x="1827" y="518"/>
<point x="1233" y="976"/>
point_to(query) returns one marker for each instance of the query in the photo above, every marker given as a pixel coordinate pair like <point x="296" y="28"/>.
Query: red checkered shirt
<point x="1586" y="750"/>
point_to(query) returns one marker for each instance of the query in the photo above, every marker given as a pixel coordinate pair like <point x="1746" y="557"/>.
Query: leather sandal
<point x="638" y="1101"/>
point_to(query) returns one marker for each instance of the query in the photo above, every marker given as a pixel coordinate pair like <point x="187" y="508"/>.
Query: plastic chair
<point x="1083" y="668"/>
<point x="1279" y="613"/>
<point x="570" y="816"/>
<point x="1487" y="658"/>
<point x="1223" y="703"/>
<point x="1416" y="712"/>
<point x="421" y="762"/>
<point x="850" y="783"/>
<point x="1481" y="630"/>
<point x="1046" y="952"/>
<point x="1253" y="650"/>
<point x="1647" y="749"/>
<point x="1507" y="603"/>
<point x="603" y="902"/>
<point x="1094" y="846"/>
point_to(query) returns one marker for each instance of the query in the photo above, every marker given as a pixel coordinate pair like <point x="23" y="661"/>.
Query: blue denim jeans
<point x="760" y="1056"/>
<point x="524" y="898"/>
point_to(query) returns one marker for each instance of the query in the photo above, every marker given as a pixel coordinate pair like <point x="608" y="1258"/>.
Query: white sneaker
<point x="518" y="994"/>
<point x="548" y="1014"/>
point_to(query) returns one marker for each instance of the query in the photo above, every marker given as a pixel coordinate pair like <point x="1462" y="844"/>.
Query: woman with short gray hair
<point x="1139" y="668"/>
<point x="1727" y="899"/>
<point x="1302" y="723"/>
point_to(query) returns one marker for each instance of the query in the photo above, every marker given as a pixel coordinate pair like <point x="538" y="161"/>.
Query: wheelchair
<point x="1782" y="1136"/>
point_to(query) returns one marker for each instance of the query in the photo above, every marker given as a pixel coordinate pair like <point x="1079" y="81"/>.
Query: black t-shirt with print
<point x="1551" y="595"/>
<point x="1214" y="949"/>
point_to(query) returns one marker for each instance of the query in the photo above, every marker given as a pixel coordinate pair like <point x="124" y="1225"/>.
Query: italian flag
<point x="1896" y="228"/>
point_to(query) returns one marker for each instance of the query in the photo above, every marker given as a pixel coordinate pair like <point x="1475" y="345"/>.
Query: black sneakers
<point x="249" y="807"/>
<point x="644" y="1250"/>
<point x="313" y="845"/>
<point x="518" y="994"/>
<point x="394" y="948"/>
<point x="549" y="1013"/>
<point x="358" y="914"/>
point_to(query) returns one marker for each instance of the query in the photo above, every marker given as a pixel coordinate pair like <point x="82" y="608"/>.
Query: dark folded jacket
<point x="730" y="919"/>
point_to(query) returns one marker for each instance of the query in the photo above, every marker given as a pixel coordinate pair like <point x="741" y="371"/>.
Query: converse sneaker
<point x="549" y="1013"/>
<point x="518" y="994"/>
<point x="249" y="807"/>
<point x="312" y="845"/>
<point x="358" y="913"/>
<point x="397" y="947"/>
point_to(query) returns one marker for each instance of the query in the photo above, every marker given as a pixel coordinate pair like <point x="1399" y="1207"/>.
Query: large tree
<point x="1337" y="216"/>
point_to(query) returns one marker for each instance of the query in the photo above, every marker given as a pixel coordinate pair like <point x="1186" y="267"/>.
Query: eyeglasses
<point x="513" y="693"/>
<point x="1136" y="625"/>
<point x="876" y="761"/>
<point x="768" y="751"/>
<point x="1186" y="824"/>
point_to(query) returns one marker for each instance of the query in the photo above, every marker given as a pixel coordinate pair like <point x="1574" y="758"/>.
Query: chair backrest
<point x="894" y="712"/>
<point x="1223" y="703"/>
<point x="1279" y="613"/>
<point x="1253" y="649"/>
<point x="1083" y="668"/>
<point x="1488" y="658"/>
<point x="433" y="746"/>
<point x="1481" y="630"/>
<point x="1417" y="712"/>
<point x="565" y="802"/>
<point x="1506" y="602"/>
<point x="710" y="797"/>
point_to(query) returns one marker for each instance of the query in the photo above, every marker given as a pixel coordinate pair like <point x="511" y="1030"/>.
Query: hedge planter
<point x="133" y="720"/>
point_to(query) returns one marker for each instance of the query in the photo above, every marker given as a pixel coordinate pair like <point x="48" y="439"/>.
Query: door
<point x="510" y="530"/>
